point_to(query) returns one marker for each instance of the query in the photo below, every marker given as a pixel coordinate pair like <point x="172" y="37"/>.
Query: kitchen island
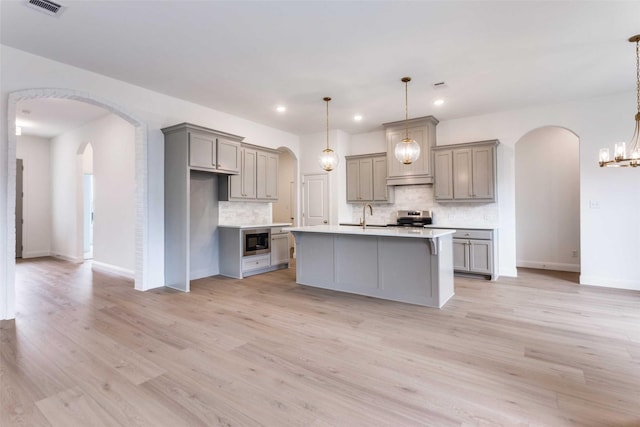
<point x="412" y="265"/>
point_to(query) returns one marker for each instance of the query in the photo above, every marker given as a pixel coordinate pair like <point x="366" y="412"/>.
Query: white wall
<point x="548" y="200"/>
<point x="36" y="231"/>
<point x="112" y="140"/>
<point x="21" y="70"/>
<point x="610" y="232"/>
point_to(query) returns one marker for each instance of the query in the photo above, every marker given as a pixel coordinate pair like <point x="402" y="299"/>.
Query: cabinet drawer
<point x="256" y="262"/>
<point x="277" y="230"/>
<point x="473" y="234"/>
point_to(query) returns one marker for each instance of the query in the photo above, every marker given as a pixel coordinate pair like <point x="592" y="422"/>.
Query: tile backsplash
<point x="420" y="197"/>
<point x="244" y="213"/>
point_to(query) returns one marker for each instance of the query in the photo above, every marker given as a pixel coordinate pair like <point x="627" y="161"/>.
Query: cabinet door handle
<point x="325" y="221"/>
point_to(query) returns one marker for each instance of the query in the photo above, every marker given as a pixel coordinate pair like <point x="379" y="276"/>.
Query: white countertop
<point x="243" y="226"/>
<point x="420" y="233"/>
<point x="462" y="227"/>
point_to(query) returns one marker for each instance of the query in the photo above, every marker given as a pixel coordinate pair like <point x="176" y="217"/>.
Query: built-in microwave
<point x="256" y="241"/>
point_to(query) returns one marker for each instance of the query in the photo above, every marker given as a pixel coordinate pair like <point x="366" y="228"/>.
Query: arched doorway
<point x="7" y="252"/>
<point x="547" y="183"/>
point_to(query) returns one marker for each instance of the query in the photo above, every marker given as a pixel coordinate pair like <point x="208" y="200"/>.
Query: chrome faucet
<point x="364" y="215"/>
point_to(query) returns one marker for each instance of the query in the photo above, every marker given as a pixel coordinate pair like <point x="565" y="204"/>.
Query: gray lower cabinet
<point x="233" y="263"/>
<point x="367" y="178"/>
<point x="474" y="252"/>
<point x="258" y="177"/>
<point x="279" y="248"/>
<point x="465" y="172"/>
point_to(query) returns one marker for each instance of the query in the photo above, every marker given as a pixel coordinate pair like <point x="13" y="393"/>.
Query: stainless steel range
<point x="414" y="218"/>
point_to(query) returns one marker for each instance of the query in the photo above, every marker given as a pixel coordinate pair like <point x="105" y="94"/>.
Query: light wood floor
<point x="88" y="350"/>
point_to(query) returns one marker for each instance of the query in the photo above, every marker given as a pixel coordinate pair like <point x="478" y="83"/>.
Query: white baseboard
<point x="205" y="272"/>
<point x="35" y="254"/>
<point x="610" y="283"/>
<point x="67" y="258"/>
<point x="510" y="272"/>
<point x="130" y="274"/>
<point x="557" y="266"/>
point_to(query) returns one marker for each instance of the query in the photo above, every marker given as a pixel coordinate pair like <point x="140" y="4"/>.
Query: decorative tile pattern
<point x="420" y="197"/>
<point x="244" y="213"/>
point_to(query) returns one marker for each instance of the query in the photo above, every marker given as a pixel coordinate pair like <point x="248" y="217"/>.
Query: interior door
<point x="315" y="208"/>
<point x="19" y="199"/>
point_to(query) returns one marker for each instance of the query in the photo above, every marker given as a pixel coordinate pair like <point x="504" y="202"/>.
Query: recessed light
<point x="357" y="117"/>
<point x="438" y="102"/>
<point x="281" y="108"/>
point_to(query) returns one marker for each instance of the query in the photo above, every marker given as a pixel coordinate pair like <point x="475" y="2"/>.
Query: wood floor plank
<point x="537" y="350"/>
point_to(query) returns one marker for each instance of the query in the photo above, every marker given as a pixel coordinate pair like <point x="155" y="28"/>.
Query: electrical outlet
<point x="574" y="254"/>
<point x="594" y="204"/>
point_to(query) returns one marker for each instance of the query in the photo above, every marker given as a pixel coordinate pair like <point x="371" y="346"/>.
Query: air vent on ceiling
<point x="439" y="85"/>
<point x="46" y="6"/>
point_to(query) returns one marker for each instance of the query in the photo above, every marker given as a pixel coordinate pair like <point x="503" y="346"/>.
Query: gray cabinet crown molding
<point x="494" y="142"/>
<point x="190" y="126"/>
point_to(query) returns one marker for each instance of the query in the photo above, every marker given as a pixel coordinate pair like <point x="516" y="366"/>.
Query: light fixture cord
<point x="327" y="124"/>
<point x="406" y="110"/>
<point x="638" y="73"/>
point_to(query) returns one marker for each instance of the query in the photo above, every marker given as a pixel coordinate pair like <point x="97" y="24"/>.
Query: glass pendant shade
<point x="407" y="151"/>
<point x="328" y="159"/>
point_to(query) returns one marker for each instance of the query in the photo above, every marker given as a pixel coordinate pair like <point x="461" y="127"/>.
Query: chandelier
<point x="620" y="156"/>
<point x="406" y="151"/>
<point x="328" y="158"/>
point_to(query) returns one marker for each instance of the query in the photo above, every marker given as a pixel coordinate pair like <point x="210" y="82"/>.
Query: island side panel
<point x="230" y="252"/>
<point x="406" y="270"/>
<point x="315" y="259"/>
<point x="442" y="270"/>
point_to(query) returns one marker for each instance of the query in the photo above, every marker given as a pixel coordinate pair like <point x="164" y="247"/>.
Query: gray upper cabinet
<point x="211" y="152"/>
<point x="267" y="175"/>
<point x="367" y="178"/>
<point x="243" y="185"/>
<point x="258" y="177"/>
<point x="466" y="172"/>
<point x="423" y="131"/>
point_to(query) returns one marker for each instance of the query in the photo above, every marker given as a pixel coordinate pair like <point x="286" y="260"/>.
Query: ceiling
<point x="245" y="57"/>
<point x="47" y="118"/>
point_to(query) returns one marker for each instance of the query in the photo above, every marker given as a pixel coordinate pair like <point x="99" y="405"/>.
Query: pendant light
<point x="328" y="159"/>
<point x="620" y="158"/>
<point x="407" y="151"/>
